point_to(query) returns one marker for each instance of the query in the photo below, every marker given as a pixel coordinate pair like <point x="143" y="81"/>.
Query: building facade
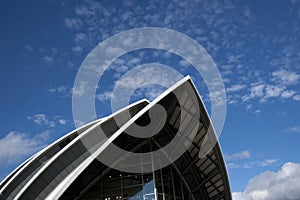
<point x="87" y="164"/>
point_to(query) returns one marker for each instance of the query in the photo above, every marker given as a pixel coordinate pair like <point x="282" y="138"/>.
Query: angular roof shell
<point x="50" y="173"/>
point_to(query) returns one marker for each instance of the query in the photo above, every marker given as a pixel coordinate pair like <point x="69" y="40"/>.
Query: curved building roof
<point x="84" y="165"/>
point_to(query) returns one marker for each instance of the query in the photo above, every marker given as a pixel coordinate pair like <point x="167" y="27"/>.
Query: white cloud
<point x="85" y="11"/>
<point x="100" y="22"/>
<point x="80" y="89"/>
<point x="287" y="94"/>
<point x="150" y="92"/>
<point x="267" y="162"/>
<point x="257" y="111"/>
<point x="122" y="65"/>
<point x="184" y="63"/>
<point x="80" y="37"/>
<point x="125" y="16"/>
<point x="48" y="60"/>
<point x="105" y="96"/>
<point x="268" y="91"/>
<point x="286" y="77"/>
<point x="247" y="12"/>
<point x="235" y="88"/>
<point x="62" y="121"/>
<point x="112" y="51"/>
<point x="77" y="49"/>
<point x="244" y="160"/>
<point x="216" y="97"/>
<point x="294" y="129"/>
<point x="63" y="90"/>
<point x="232" y="100"/>
<point x="296" y="97"/>
<point x="15" y="146"/>
<point x="234" y="58"/>
<point x="42" y="119"/>
<point x="29" y="47"/>
<point x="255" y="91"/>
<point x="73" y="22"/>
<point x="238" y="156"/>
<point x="273" y="91"/>
<point x="283" y="184"/>
<point x="149" y="75"/>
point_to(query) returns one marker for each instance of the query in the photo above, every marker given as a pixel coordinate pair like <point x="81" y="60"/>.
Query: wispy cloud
<point x="62" y="121"/>
<point x="273" y="91"/>
<point x="43" y="119"/>
<point x="287" y="94"/>
<point x="105" y="96"/>
<point x="265" y="92"/>
<point x="296" y="97"/>
<point x="267" y="162"/>
<point x="29" y="47"/>
<point x="286" y="77"/>
<point x="80" y="89"/>
<point x="235" y="88"/>
<point x="49" y="60"/>
<point x="16" y="146"/>
<point x="73" y="22"/>
<point x="77" y="49"/>
<point x="150" y="92"/>
<point x="294" y="129"/>
<point x="244" y="159"/>
<point x="257" y="91"/>
<point x="238" y="156"/>
<point x="147" y="76"/>
<point x="62" y="90"/>
<point x="283" y="184"/>
<point x="251" y="163"/>
<point x="80" y="37"/>
<point x="257" y="111"/>
<point x="246" y="84"/>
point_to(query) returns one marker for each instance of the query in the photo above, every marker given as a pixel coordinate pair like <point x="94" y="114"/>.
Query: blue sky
<point x="255" y="45"/>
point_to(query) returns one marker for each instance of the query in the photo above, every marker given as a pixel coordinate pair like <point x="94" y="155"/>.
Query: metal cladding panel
<point x="210" y="170"/>
<point x="67" y="160"/>
<point x="19" y="178"/>
<point x="205" y="178"/>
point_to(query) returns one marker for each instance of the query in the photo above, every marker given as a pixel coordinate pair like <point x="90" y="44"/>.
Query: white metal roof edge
<point x="58" y="191"/>
<point x="97" y="123"/>
<point x="38" y="154"/>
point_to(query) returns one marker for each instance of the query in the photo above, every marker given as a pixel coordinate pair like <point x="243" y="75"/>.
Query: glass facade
<point x="163" y="184"/>
<point x="120" y="185"/>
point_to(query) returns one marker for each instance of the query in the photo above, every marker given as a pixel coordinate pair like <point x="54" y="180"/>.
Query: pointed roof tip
<point x="144" y="100"/>
<point x="188" y="77"/>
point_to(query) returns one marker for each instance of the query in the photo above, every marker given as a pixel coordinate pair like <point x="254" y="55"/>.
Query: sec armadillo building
<point x="72" y="167"/>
